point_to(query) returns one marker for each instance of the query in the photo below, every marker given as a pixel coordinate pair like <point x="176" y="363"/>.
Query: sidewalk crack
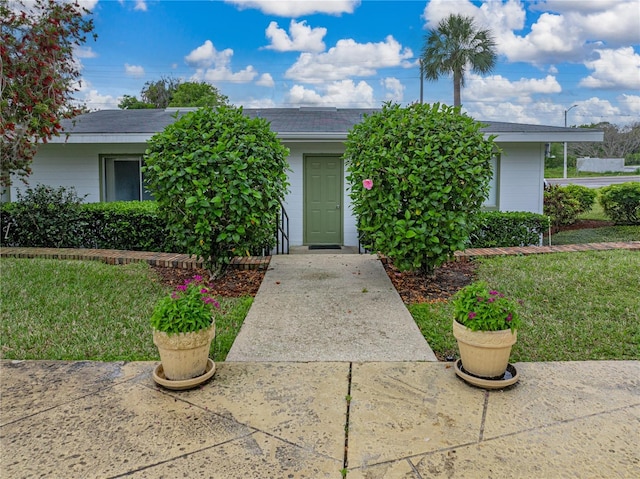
<point x="345" y="461"/>
<point x="484" y="416"/>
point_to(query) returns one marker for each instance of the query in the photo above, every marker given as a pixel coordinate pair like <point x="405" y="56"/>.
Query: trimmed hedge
<point x="50" y="217"/>
<point x="621" y="202"/>
<point x="495" y="229"/>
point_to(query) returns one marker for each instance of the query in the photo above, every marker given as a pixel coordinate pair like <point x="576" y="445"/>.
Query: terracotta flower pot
<point x="184" y="355"/>
<point x="484" y="353"/>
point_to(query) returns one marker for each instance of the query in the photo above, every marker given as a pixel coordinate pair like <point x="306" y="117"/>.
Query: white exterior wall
<point x="73" y="165"/>
<point x="521" y="177"/>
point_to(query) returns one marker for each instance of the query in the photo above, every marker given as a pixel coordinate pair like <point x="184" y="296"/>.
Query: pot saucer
<point x="159" y="377"/>
<point x="511" y="376"/>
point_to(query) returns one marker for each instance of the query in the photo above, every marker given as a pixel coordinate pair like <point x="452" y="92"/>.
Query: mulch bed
<point x="413" y="287"/>
<point x="233" y="284"/>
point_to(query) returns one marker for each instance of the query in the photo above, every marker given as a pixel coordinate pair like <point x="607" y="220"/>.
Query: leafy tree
<point x="618" y="142"/>
<point x="418" y="175"/>
<point x="453" y="46"/>
<point x="129" y="102"/>
<point x="197" y="94"/>
<point x="218" y="177"/>
<point x="38" y="76"/>
<point x="171" y="92"/>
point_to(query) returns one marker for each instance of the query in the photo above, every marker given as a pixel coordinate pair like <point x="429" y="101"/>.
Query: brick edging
<point x="109" y="256"/>
<point x="528" y="250"/>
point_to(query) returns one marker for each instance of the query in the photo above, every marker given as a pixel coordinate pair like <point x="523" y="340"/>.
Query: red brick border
<point x="111" y="256"/>
<point x="527" y="250"/>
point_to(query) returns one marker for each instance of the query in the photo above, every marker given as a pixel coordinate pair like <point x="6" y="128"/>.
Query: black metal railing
<point x="282" y="232"/>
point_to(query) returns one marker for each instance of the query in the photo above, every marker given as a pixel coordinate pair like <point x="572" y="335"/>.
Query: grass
<point x="87" y="310"/>
<point x="596" y="235"/>
<point x="595" y="213"/>
<point x="578" y="306"/>
<point x="572" y="172"/>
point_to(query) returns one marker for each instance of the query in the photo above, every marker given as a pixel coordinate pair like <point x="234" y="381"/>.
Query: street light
<point x="565" y="143"/>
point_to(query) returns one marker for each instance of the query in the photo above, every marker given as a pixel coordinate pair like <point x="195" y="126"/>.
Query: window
<point x="123" y="180"/>
<point x="491" y="203"/>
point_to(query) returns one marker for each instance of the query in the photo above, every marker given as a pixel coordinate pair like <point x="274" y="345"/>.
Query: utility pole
<point x="421" y="81"/>
<point x="565" y="143"/>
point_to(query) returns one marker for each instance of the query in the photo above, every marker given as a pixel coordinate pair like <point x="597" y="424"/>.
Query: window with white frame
<point x="123" y="179"/>
<point x="491" y="203"/>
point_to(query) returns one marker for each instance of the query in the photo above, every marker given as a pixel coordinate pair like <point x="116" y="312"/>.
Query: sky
<point x="552" y="54"/>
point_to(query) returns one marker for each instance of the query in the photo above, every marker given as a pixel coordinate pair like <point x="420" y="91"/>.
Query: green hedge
<point x="621" y="202"/>
<point x="495" y="229"/>
<point x="40" y="220"/>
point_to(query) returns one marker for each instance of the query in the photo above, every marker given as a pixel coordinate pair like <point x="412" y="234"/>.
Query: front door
<point x="323" y="185"/>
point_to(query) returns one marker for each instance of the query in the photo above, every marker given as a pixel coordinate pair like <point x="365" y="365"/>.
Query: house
<point x="102" y="156"/>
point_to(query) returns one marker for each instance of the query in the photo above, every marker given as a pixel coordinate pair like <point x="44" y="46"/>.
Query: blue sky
<point x="553" y="54"/>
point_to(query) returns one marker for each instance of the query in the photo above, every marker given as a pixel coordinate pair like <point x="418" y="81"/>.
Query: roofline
<point x="584" y="135"/>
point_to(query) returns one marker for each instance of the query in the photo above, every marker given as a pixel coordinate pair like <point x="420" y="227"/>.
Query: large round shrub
<point x="417" y="176"/>
<point x="218" y="177"/>
<point x="621" y="202"/>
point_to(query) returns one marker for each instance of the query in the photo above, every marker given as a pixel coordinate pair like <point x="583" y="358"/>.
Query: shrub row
<point x="496" y="229"/>
<point x="57" y="218"/>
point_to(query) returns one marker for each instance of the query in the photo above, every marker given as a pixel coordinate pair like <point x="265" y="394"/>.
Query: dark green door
<point x="323" y="195"/>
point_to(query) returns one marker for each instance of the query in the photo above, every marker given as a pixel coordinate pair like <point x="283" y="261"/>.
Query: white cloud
<point x="395" y="89"/>
<point x="297" y="8"/>
<point x="89" y="96"/>
<point x="496" y="88"/>
<point x="630" y="104"/>
<point x="223" y="74"/>
<point x="567" y="34"/>
<point x="349" y="58"/>
<point x="257" y="103"/>
<point x="206" y="55"/>
<point x="133" y="70"/>
<point x="342" y="94"/>
<point x="214" y="66"/>
<point x="141" y="5"/>
<point x="504" y="111"/>
<point x="265" y="80"/>
<point x="615" y="69"/>
<point x="301" y="38"/>
<point x="84" y="52"/>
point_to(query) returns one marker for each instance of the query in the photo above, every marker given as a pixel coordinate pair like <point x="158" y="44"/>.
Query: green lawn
<point x="577" y="306"/>
<point x="88" y="310"/>
<point x="572" y="172"/>
<point x="595" y="235"/>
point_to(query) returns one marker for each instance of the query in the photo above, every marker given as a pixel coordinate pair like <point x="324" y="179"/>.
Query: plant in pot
<point x="485" y="325"/>
<point x="183" y="325"/>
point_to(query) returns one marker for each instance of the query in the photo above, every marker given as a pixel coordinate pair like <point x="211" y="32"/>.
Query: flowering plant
<point x="480" y="308"/>
<point x="188" y="309"/>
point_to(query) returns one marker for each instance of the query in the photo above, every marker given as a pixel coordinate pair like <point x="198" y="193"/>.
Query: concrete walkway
<point x="328" y="307"/>
<point x="385" y="420"/>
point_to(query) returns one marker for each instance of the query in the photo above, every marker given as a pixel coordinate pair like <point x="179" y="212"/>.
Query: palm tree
<point x="455" y="45"/>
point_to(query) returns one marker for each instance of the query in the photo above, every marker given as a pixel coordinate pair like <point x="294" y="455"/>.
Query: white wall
<point x="72" y="165"/>
<point x="521" y="177"/>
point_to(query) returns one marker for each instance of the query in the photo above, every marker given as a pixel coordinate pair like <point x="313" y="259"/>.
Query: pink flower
<point x="472" y="314"/>
<point x="367" y="184"/>
<point x="197" y="278"/>
<point x="509" y="318"/>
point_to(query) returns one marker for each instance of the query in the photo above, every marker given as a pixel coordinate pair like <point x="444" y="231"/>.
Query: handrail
<point x="282" y="232"/>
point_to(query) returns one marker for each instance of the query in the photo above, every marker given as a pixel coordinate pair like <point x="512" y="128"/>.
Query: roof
<point x="302" y="124"/>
